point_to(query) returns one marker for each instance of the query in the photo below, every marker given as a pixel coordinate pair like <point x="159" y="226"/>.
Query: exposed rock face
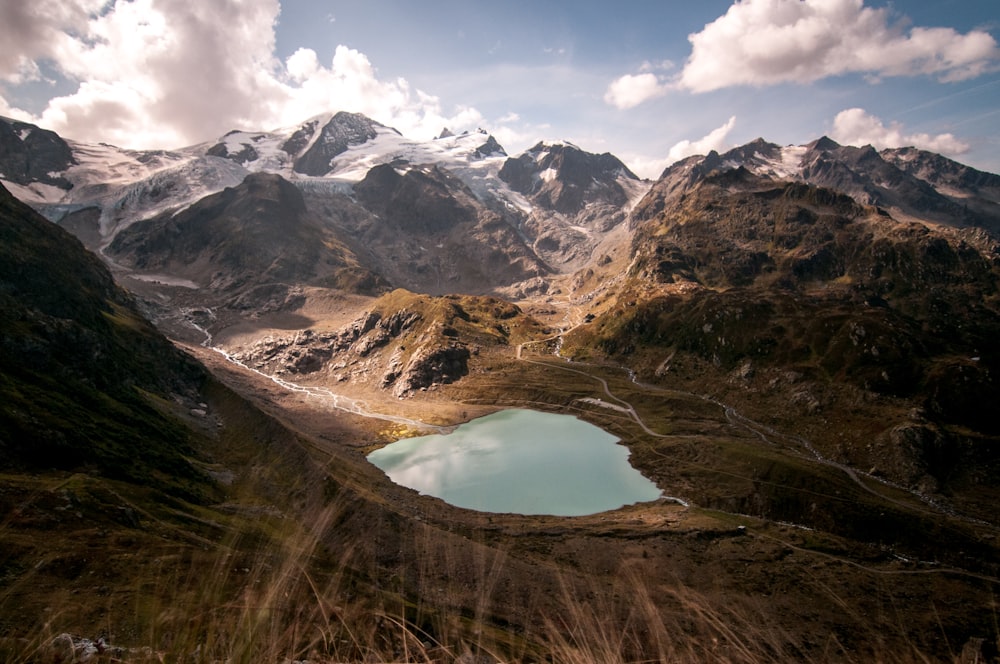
<point x="257" y="233"/>
<point x="564" y="178"/>
<point x="30" y="154"/>
<point x="489" y="149"/>
<point x="348" y="354"/>
<point x="406" y="342"/>
<point x="431" y="365"/>
<point x="426" y="229"/>
<point x="300" y="138"/>
<point x="340" y="133"/>
<point x="247" y="153"/>
<point x="308" y="351"/>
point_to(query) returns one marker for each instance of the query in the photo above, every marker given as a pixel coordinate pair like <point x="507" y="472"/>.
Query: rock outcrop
<point x="430" y="365"/>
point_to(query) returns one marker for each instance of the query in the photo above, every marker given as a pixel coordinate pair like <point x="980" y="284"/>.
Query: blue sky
<point x="648" y="81"/>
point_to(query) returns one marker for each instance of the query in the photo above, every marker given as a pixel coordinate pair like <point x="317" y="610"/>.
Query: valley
<point x="797" y="346"/>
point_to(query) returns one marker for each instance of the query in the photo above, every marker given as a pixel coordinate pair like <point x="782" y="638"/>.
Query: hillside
<point x="84" y="375"/>
<point x="806" y="307"/>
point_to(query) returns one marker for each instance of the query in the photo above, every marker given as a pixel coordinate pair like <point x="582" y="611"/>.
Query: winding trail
<point x="764" y="433"/>
<point x="761" y="431"/>
<point x="770" y="436"/>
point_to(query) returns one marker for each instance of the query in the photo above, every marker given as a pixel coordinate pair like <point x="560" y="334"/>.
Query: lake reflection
<point x="522" y="462"/>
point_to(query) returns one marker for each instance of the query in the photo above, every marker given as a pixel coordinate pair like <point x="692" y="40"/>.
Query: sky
<point x="650" y="82"/>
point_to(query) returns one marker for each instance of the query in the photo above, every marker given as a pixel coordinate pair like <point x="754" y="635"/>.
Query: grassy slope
<point x="84" y="380"/>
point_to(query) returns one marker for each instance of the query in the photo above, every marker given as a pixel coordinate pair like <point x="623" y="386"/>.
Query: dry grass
<point x="311" y="590"/>
<point x="315" y="557"/>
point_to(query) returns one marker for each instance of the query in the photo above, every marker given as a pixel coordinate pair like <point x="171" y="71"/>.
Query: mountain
<point x="576" y="198"/>
<point x="558" y="177"/>
<point x="800" y="294"/>
<point x="255" y="234"/>
<point x="341" y="132"/>
<point x="29" y="154"/>
<point x="83" y="375"/>
<point x="403" y="343"/>
<point x="108" y="188"/>
<point x="436" y="217"/>
<point x="909" y="183"/>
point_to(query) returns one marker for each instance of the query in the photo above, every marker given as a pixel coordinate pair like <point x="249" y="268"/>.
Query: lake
<point x="522" y="462"/>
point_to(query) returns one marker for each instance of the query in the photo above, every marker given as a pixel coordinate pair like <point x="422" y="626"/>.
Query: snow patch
<point x="791" y="159"/>
<point x="36" y="193"/>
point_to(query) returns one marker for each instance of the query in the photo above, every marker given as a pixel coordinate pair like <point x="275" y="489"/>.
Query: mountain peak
<point x="343" y="131"/>
<point x="558" y="176"/>
<point x="823" y="143"/>
<point x="31" y="154"/>
<point x="490" y="148"/>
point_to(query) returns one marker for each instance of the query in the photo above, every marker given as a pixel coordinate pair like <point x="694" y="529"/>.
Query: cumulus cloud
<point x="161" y="73"/>
<point x="38" y="29"/>
<point x="714" y="140"/>
<point x="631" y="90"/>
<point x="766" y="42"/>
<point x="645" y="166"/>
<point x="855" y="126"/>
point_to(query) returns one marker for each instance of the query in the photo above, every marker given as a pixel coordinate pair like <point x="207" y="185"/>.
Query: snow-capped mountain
<point x="546" y="211"/>
<point x="329" y="153"/>
<point x="345" y="146"/>
<point x="455" y="212"/>
<point x="910" y="183"/>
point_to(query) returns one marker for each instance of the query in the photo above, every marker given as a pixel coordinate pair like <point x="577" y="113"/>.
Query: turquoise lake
<point x="521" y="462"/>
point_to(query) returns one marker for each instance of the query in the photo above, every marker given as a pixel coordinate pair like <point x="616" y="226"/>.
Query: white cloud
<point x="161" y="73"/>
<point x="646" y="167"/>
<point x="351" y="83"/>
<point x="38" y="29"/>
<point x="855" y="126"/>
<point x="766" y="42"/>
<point x="654" y="66"/>
<point x="631" y="90"/>
<point x="714" y="140"/>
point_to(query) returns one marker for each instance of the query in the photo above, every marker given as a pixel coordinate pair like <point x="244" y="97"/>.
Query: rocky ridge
<point x="801" y="292"/>
<point x="404" y="344"/>
<point x="911" y="183"/>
